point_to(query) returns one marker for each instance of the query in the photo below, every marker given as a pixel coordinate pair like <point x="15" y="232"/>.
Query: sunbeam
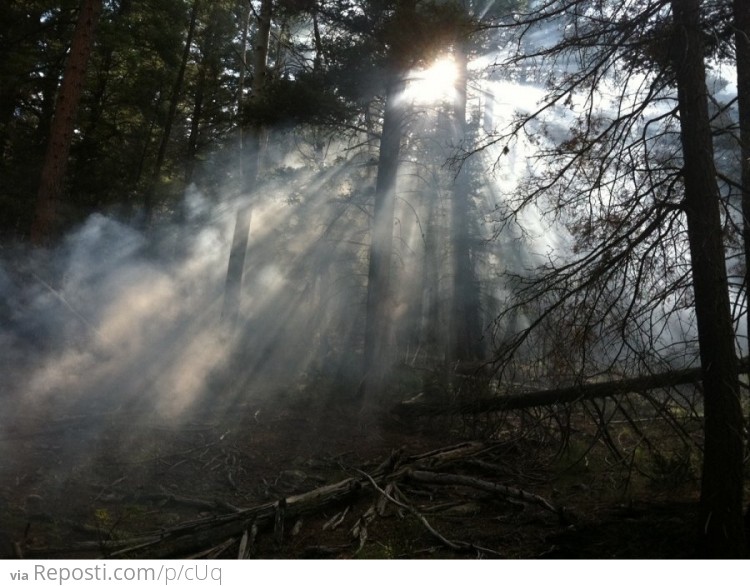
<point x="433" y="84"/>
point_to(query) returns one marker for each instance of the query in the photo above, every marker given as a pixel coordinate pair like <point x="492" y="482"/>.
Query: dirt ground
<point x="70" y="482"/>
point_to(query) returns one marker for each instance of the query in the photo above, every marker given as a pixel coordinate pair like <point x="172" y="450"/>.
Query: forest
<point x="374" y="279"/>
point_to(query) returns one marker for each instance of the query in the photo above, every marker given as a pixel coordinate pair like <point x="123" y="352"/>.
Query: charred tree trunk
<point x="722" y="532"/>
<point x="61" y="133"/>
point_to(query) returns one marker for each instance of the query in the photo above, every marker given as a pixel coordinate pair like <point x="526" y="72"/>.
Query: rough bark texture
<point x="61" y="133"/>
<point x="721" y="529"/>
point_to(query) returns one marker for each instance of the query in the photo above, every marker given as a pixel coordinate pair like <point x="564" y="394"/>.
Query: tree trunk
<point x="430" y="313"/>
<point x="250" y="143"/>
<point x="195" y="121"/>
<point x="556" y="396"/>
<point x="252" y="139"/>
<point x="722" y="532"/>
<point x="61" y="134"/>
<point x="174" y="100"/>
<point x="742" y="44"/>
<point x="377" y="325"/>
<point x="742" y="51"/>
<point x="466" y="326"/>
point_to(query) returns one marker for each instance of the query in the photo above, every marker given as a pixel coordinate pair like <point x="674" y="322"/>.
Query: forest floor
<point x="70" y="483"/>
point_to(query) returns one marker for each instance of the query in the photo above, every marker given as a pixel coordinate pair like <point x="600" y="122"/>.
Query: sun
<point x="433" y="84"/>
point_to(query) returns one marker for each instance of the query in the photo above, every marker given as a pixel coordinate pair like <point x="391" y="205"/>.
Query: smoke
<point x="118" y="320"/>
<point x="114" y="318"/>
<point x="105" y="320"/>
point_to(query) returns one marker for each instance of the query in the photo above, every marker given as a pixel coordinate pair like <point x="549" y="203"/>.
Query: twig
<point x="492" y="487"/>
<point x="413" y="511"/>
<point x="214" y="552"/>
<point x="336" y="520"/>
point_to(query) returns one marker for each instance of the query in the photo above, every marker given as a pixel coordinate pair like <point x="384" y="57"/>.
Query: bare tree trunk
<point x="377" y="325"/>
<point x="249" y="167"/>
<point x="174" y="100"/>
<point x="61" y="133"/>
<point x="466" y="327"/>
<point x="742" y="51"/>
<point x="742" y="44"/>
<point x="429" y="307"/>
<point x="722" y="532"/>
<point x="260" y="74"/>
<point x="195" y="121"/>
<point x="556" y="396"/>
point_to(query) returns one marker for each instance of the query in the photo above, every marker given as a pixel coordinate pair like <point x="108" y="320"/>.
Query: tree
<point x="32" y="59"/>
<point x="174" y="100"/>
<point x="433" y="27"/>
<point x="250" y="165"/>
<point x="378" y="318"/>
<point x="721" y="489"/>
<point x="466" y="326"/>
<point x="635" y="186"/>
<point x="742" y="52"/>
<point x="63" y="125"/>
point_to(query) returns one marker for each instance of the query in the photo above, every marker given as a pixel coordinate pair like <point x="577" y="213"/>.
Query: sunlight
<point x="433" y="84"/>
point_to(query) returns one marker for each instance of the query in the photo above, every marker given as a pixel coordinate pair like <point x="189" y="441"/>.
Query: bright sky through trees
<point x="434" y="84"/>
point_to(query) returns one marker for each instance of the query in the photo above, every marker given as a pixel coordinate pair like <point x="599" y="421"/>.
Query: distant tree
<point x="466" y="320"/>
<point x="63" y="125"/>
<point x="379" y="296"/>
<point x="249" y="165"/>
<point x="432" y="28"/>
<point x="174" y="101"/>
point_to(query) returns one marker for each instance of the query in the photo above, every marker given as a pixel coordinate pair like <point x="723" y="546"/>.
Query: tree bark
<point x="45" y="220"/>
<point x="722" y="532"/>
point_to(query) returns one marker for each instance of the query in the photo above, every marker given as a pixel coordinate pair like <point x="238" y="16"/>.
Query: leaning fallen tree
<point x="558" y="396"/>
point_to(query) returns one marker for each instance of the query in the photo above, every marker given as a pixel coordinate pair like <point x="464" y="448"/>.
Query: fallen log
<point x="201" y="535"/>
<point x="563" y="395"/>
<point x="502" y="490"/>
